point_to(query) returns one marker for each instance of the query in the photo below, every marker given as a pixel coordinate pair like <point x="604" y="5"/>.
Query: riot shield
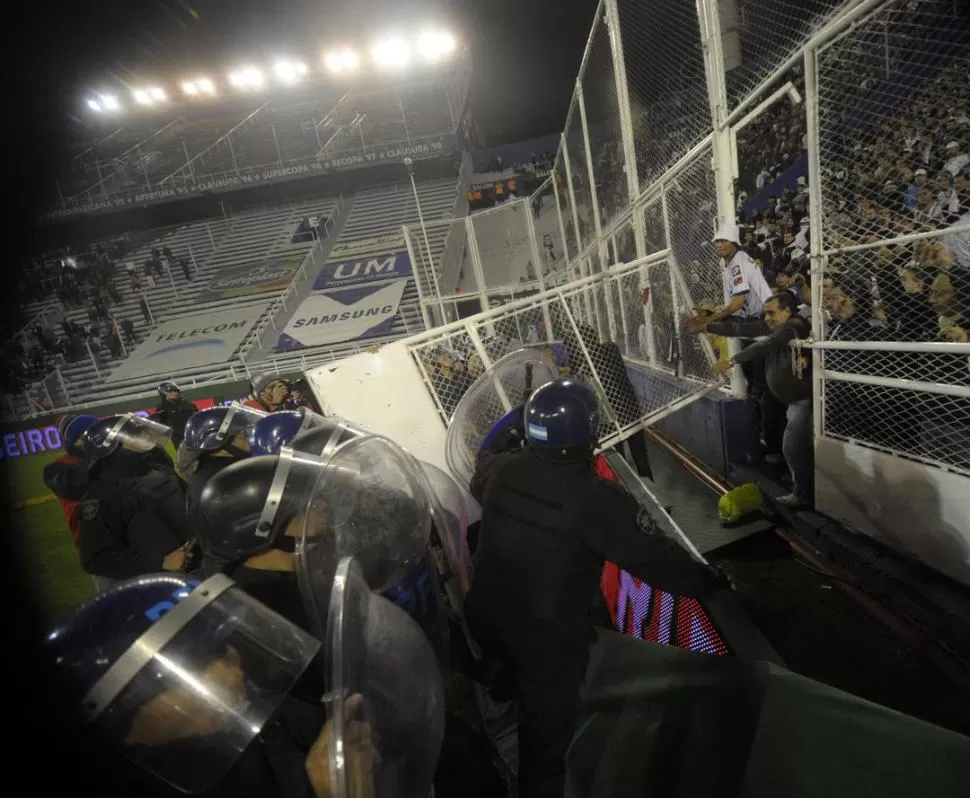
<point x="369" y="501"/>
<point x="385" y="701"/>
<point x="507" y="384"/>
<point x="191" y="693"/>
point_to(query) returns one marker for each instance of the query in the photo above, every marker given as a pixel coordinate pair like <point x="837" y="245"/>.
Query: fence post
<point x="572" y="198"/>
<point x="425" y="316"/>
<point x="816" y="245"/>
<point x="710" y="32"/>
<point x="534" y="243"/>
<point x="476" y="257"/>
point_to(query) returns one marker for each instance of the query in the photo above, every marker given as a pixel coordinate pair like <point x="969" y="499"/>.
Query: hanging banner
<point x="367" y="270"/>
<point x="365" y="246"/>
<point x="185" y="343"/>
<point x="338" y="316"/>
<point x="250" y="278"/>
<point x="372" y="155"/>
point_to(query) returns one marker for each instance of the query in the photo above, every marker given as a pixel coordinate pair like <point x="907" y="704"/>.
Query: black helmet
<point x="168" y="387"/>
<point x="140" y="434"/>
<point x="562" y="414"/>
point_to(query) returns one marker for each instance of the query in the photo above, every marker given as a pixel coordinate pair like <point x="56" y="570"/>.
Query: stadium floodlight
<point x="110" y="102"/>
<point x="94" y="105"/>
<point x="434" y="45"/>
<point x="157" y="94"/>
<point x="142" y="97"/>
<point x="340" y="62"/>
<point x="191" y="88"/>
<point x="391" y="53"/>
<point x="289" y="71"/>
<point x="206" y="86"/>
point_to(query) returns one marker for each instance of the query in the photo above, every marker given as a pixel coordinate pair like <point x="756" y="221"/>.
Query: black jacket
<point x="132" y="515"/>
<point x="547" y="529"/>
<point x="174" y="414"/>
<point x="777" y="353"/>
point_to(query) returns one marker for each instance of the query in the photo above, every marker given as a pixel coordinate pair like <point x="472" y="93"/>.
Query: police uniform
<point x="131" y="517"/>
<point x="548" y="526"/>
<point x="174" y="413"/>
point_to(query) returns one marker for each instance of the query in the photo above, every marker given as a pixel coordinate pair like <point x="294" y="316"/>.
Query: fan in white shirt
<point x="743" y="282"/>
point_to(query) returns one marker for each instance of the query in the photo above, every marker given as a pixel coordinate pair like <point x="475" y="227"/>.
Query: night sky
<point x="526" y="52"/>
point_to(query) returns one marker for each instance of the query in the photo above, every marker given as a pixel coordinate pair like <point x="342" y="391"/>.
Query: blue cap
<point x="561" y="414"/>
<point x="71" y="428"/>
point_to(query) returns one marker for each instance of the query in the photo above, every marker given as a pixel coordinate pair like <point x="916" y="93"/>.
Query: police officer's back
<point x="132" y="516"/>
<point x="548" y="525"/>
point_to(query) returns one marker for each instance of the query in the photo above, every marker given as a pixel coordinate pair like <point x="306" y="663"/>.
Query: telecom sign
<point x="365" y="270"/>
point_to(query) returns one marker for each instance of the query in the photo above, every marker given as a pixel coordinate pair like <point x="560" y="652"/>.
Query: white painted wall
<point x="916" y="509"/>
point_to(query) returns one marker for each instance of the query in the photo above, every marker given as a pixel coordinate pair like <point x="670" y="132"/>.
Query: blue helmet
<point x="86" y="641"/>
<point x="210" y="429"/>
<point x="276" y="430"/>
<point x="562" y="414"/>
<point x="71" y="428"/>
<point x="107" y="435"/>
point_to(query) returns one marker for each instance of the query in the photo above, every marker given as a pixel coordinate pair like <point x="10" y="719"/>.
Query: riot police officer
<point x="215" y="438"/>
<point x="195" y="689"/>
<point x="132" y="515"/>
<point x="173" y="411"/>
<point x="548" y="524"/>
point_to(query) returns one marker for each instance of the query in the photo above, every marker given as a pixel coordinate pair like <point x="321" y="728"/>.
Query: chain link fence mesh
<point x="552" y="245"/>
<point x="893" y="100"/>
<point x="759" y="35"/>
<point x="665" y="80"/>
<point x="603" y="124"/>
<point x="505" y="247"/>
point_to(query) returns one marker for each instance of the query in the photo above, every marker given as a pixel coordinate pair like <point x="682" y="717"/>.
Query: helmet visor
<point x="191" y="694"/>
<point x="137" y="433"/>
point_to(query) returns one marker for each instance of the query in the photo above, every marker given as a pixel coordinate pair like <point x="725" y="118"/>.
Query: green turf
<point x="44" y="542"/>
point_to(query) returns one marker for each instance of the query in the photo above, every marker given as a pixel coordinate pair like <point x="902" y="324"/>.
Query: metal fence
<point x="687" y="112"/>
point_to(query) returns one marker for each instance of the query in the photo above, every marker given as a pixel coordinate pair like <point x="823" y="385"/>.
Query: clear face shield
<point x="137" y="434"/>
<point x="191" y="694"/>
<point x="369" y="501"/>
<point x="385" y="703"/>
<point x="326" y="435"/>
<point x="238" y="421"/>
<point x="506" y="385"/>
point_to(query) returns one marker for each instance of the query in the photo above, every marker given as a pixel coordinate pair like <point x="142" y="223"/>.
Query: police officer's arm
<point x="102" y="544"/>
<point x="66" y="480"/>
<point x="612" y="527"/>
<point x="488" y="466"/>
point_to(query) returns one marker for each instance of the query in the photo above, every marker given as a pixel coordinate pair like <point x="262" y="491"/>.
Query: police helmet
<point x="168" y="387"/>
<point x="245" y="508"/>
<point x="324" y="438"/>
<point x="87" y="640"/>
<point x="210" y="429"/>
<point x="278" y="429"/>
<point x="562" y="414"/>
<point x="72" y="427"/>
<point x="107" y="435"/>
<point x="159" y="655"/>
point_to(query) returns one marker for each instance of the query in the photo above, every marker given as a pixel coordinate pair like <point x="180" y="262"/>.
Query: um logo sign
<point x="363" y="270"/>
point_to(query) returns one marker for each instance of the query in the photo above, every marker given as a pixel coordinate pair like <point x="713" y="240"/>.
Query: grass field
<point x="49" y="559"/>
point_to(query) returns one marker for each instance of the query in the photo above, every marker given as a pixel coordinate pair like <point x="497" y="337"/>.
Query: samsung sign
<point x="365" y="270"/>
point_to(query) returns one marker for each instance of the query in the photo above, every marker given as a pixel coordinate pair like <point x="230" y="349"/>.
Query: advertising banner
<point x="337" y="316"/>
<point x="188" y="342"/>
<point x="249" y="278"/>
<point x="365" y="270"/>
<point x="365" y="246"/>
<point x="429" y="147"/>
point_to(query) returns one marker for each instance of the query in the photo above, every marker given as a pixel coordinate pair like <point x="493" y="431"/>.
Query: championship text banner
<point x="374" y="155"/>
<point x="189" y="342"/>
<point x="354" y="314"/>
<point x="252" y="278"/>
<point x="366" y="246"/>
<point x="363" y="270"/>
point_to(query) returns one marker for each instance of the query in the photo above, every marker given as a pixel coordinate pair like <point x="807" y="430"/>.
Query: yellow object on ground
<point x="737" y="503"/>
